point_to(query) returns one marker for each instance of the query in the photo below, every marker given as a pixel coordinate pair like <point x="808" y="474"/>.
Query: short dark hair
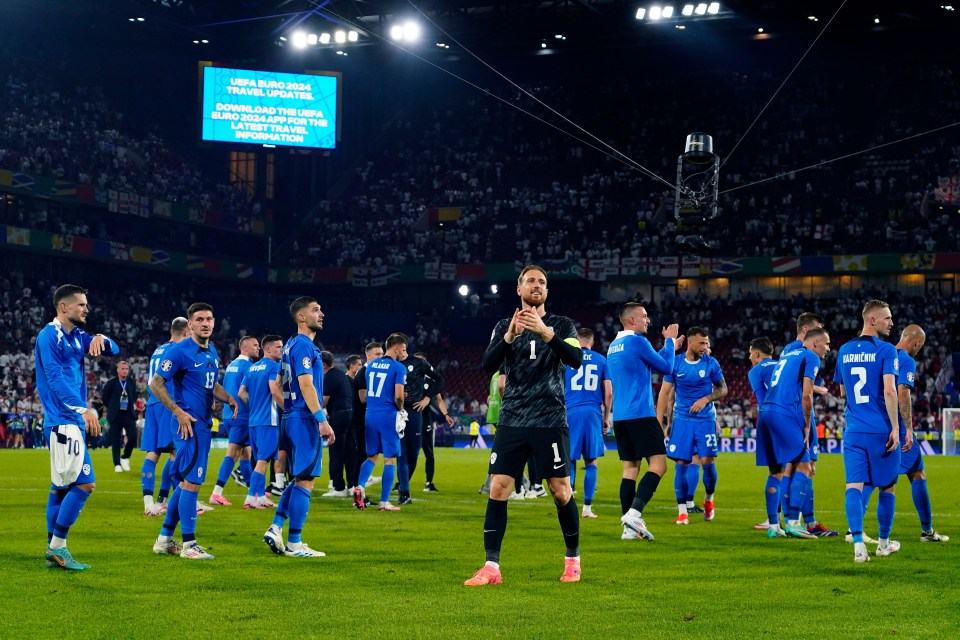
<point x="300" y="303"/>
<point x="197" y="307"/>
<point x="327" y="358"/>
<point x="396" y="338"/>
<point x="698" y="331"/>
<point x="270" y="337"/>
<point x="531" y="267"/>
<point x="178" y="326"/>
<point x="585" y="333"/>
<point x="353" y="359"/>
<point x="763" y="345"/>
<point x="628" y="308"/>
<point x="245" y="338"/>
<point x="120" y="362"/>
<point x="371" y="346"/>
<point x="65" y="291"/>
<point x="818" y="332"/>
<point x="807" y="319"/>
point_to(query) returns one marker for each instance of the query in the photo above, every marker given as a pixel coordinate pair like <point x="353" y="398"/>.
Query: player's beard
<point x="315" y="327"/>
<point x="79" y="321"/>
<point x="530" y="301"/>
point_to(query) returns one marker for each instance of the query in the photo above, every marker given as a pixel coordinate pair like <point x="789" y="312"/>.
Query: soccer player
<point x="159" y="429"/>
<point x="759" y="376"/>
<point x="806" y="321"/>
<point x="303" y="429"/>
<point x="420" y="376"/>
<point x="785" y="417"/>
<point x="372" y="351"/>
<point x="532" y="349"/>
<point x="194" y="366"/>
<point x="431" y="389"/>
<point x="867" y="371"/>
<point x="630" y="359"/>
<point x="338" y="402"/>
<point x="62" y="386"/>
<point x="589" y="398"/>
<point x="262" y="393"/>
<point x="684" y="408"/>
<point x="911" y="460"/>
<point x="236" y="423"/>
<point x="385" y="419"/>
<point x="497" y="382"/>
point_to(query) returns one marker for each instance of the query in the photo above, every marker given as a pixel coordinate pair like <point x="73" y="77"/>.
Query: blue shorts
<point x="192" y="455"/>
<point x="159" y="429"/>
<point x="692" y="436"/>
<point x="300" y="438"/>
<point x="814" y="446"/>
<point x="86" y="472"/>
<point x="783" y="439"/>
<point x="237" y="432"/>
<point x="866" y="460"/>
<point x="586" y="432"/>
<point x="911" y="461"/>
<point x="381" y="434"/>
<point x="265" y="442"/>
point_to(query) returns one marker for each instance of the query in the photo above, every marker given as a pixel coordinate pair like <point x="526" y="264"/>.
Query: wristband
<point x="320" y="416"/>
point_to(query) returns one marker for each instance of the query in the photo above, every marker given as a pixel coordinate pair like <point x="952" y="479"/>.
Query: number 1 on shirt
<point x="533" y="350"/>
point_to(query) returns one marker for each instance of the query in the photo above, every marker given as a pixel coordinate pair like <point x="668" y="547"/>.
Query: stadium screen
<point x="269" y="108"/>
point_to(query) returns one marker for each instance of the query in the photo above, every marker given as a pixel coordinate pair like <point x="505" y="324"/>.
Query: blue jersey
<point x="796" y="345"/>
<point x="263" y="410"/>
<point x="61" y="380"/>
<point x="692" y="381"/>
<point x="629" y="360"/>
<point x="154" y="368"/>
<point x="584" y="386"/>
<point x="786" y="382"/>
<point x="194" y="371"/>
<point x="861" y="365"/>
<point x="232" y="379"/>
<point x="759" y="377"/>
<point x="300" y="356"/>
<point x="906" y="376"/>
<point x="382" y="374"/>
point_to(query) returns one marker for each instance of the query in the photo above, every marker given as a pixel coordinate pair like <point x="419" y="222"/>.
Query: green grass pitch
<point x="400" y="575"/>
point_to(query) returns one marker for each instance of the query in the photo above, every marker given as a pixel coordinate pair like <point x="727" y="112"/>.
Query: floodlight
<point x="340" y="36"/>
<point x="324" y="38"/>
<point x="667" y="11"/>
<point x="396" y="32"/>
<point x="641" y="13"/>
<point x="701" y="9"/>
<point x="464" y="290"/>
<point x="299" y="40"/>
<point x="411" y="31"/>
<point x="714" y="8"/>
<point x="687" y="10"/>
<point x="655" y="12"/>
<point x="494" y="289"/>
<point x="353" y="36"/>
<point x="312" y="38"/>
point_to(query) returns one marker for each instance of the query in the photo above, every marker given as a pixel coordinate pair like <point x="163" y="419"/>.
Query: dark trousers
<point x="358" y="437"/>
<point x="410" y="444"/>
<point x="340" y="422"/>
<point x="117" y="427"/>
<point x="428" y="462"/>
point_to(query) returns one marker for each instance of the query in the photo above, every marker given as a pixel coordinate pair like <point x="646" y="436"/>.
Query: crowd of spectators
<point x="530" y="192"/>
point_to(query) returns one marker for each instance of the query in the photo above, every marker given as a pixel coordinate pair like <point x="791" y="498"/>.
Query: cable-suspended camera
<point x="695" y="201"/>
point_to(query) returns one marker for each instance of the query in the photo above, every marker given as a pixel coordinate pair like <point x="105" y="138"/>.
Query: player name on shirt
<point x="859" y="357"/>
<point x="617" y="348"/>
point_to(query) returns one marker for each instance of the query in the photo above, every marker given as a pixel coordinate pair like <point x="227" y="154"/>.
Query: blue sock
<point x="299" y="506"/>
<point x="403" y="475"/>
<point x="808" y="515"/>
<point x="188" y="514"/>
<point x="172" y="517"/>
<point x="573" y="475"/>
<point x="226" y="468"/>
<point x="771" y="495"/>
<point x="867" y="492"/>
<point x="246" y="470"/>
<point x="710" y="478"/>
<point x="54" y="500"/>
<point x="885" y="505"/>
<point x="366" y="470"/>
<point x="283" y="506"/>
<point x="680" y="481"/>
<point x="785" y="494"/>
<point x="853" y="505"/>
<point x="798" y="492"/>
<point x="69" y="511"/>
<point x="389" y="474"/>
<point x="148" y="478"/>
<point x="166" y="483"/>
<point x="921" y="500"/>
<point x="589" y="483"/>
<point x="693" y="479"/>
<point x="258" y="484"/>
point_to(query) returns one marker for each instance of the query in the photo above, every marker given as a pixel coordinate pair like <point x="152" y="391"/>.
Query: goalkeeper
<point x="385" y="420"/>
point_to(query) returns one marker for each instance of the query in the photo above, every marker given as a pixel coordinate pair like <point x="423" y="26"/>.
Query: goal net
<point x="950" y="419"/>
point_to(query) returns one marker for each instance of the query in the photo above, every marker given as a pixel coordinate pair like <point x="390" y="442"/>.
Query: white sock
<point x="495" y="565"/>
<point x="682" y="508"/>
<point x="690" y="504"/>
<point x="793" y="523"/>
<point x="148" y="502"/>
<point x="280" y="480"/>
<point x="633" y="513"/>
<point x="163" y="539"/>
<point x="58" y="543"/>
<point x="587" y="508"/>
<point x="884" y="543"/>
<point x="217" y="490"/>
<point x="708" y="497"/>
